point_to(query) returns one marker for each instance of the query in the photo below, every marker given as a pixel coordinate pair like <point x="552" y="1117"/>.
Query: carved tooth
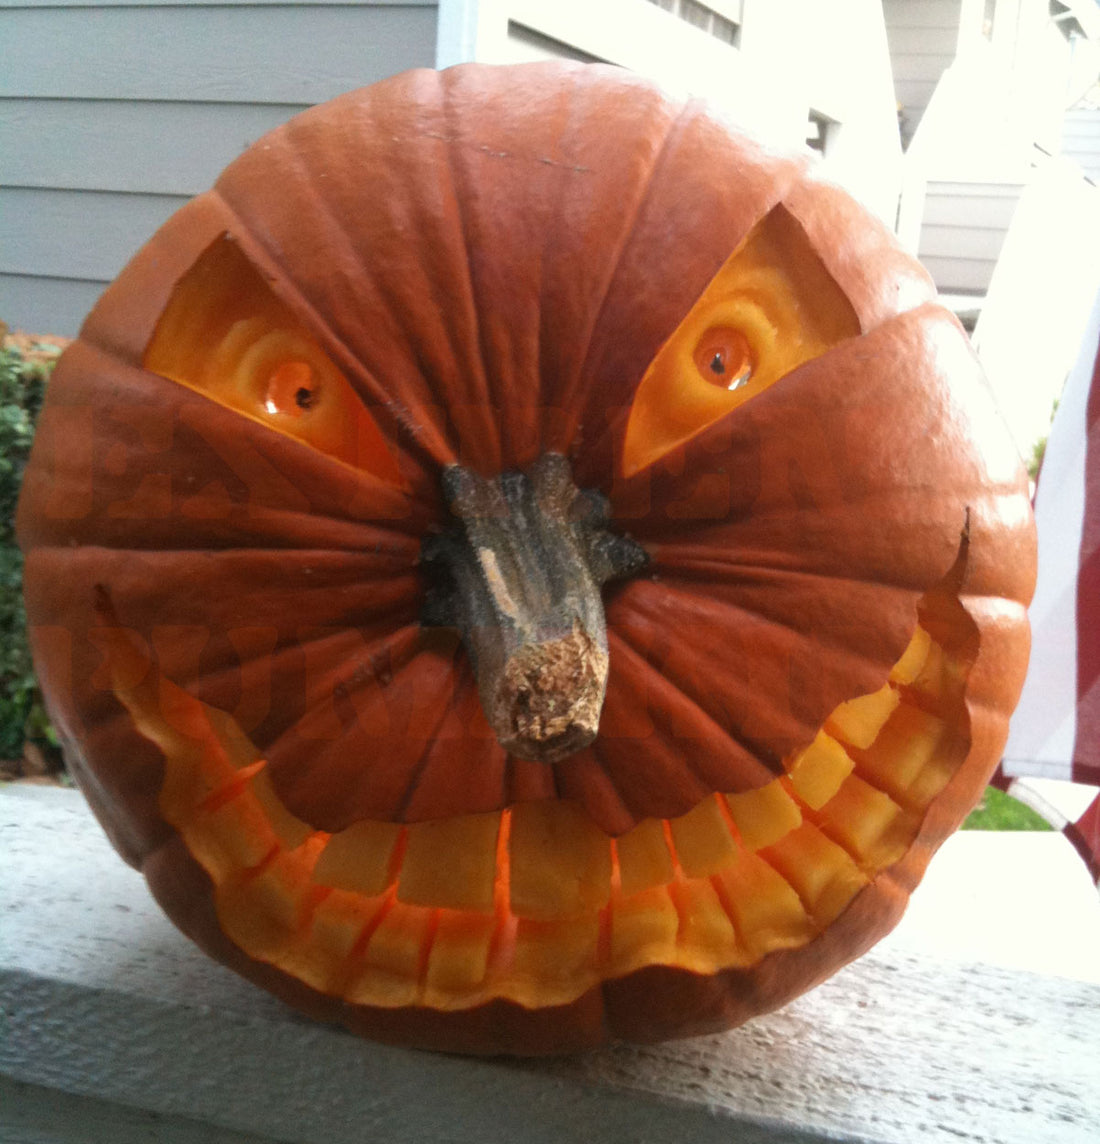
<point x="560" y="861"/>
<point x="550" y="957"/>
<point x="644" y="860"/>
<point x="706" y="936"/>
<point x="459" y="955"/>
<point x="769" y="915"/>
<point x="913" y="658"/>
<point x="364" y="858"/>
<point x="451" y="862"/>
<point x="822" y="873"/>
<point x="868" y="823"/>
<point x="859" y="720"/>
<point x="702" y="839"/>
<point x="643" y="930"/>
<point x="818" y="772"/>
<point x="765" y="815"/>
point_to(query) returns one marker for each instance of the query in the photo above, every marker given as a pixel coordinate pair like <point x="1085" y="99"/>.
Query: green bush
<point x="25" y="367"/>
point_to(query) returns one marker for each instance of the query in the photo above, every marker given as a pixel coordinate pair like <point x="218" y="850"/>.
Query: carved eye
<point x="226" y="334"/>
<point x="723" y="358"/>
<point x="770" y="308"/>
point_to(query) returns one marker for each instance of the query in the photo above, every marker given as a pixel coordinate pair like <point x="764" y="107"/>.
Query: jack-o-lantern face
<point x="519" y="565"/>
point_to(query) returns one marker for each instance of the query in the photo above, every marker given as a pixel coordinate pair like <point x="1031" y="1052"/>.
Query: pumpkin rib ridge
<point x="421" y="763"/>
<point x="447" y="110"/>
<point x="572" y="392"/>
<point x="711" y="569"/>
<point x="669" y="585"/>
<point x="397" y="636"/>
<point x="724" y="732"/>
<point x="482" y="401"/>
<point x="851" y="654"/>
<point x="359" y="376"/>
<point x="440" y="452"/>
<point x="610" y="437"/>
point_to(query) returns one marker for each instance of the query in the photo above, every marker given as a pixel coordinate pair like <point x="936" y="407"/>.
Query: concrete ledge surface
<point x="976" y="1021"/>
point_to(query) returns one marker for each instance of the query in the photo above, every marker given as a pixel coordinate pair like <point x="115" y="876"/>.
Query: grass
<point x="999" y="811"/>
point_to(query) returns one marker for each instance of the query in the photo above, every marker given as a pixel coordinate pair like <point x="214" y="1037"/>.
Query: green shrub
<point x="25" y="367"/>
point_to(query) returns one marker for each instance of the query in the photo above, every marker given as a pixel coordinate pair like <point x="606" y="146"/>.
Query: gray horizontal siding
<point x="113" y="115"/>
<point x="963" y="231"/>
<point x="238" y="54"/>
<point x="76" y="234"/>
<point x="44" y="305"/>
<point x="220" y="4"/>
<point x="121" y="145"/>
<point x="923" y="38"/>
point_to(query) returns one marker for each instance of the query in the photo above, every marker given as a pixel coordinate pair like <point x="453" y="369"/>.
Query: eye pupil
<point x="292" y="389"/>
<point x="724" y="358"/>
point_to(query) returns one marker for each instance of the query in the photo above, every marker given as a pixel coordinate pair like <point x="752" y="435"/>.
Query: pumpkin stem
<point x="518" y="572"/>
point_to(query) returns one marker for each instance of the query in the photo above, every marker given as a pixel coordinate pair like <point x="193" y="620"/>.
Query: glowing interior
<point x="225" y="333"/>
<point x="770" y="308"/>
<point x="535" y="903"/>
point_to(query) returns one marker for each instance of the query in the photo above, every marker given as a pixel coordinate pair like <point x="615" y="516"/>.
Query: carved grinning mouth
<point x="535" y="904"/>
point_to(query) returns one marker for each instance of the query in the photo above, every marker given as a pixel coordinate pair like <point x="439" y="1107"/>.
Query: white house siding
<point x="923" y="37"/>
<point x="963" y="230"/>
<point x="112" y="116"/>
<point x="1081" y="140"/>
<point x="766" y="65"/>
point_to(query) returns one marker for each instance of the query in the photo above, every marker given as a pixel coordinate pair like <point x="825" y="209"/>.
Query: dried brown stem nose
<point x="519" y="573"/>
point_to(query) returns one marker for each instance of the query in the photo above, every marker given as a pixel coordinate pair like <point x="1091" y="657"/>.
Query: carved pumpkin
<point x="520" y="565"/>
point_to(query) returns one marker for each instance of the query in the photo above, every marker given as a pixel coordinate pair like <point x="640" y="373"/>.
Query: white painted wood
<point x="158" y="147"/>
<point x="936" y="40"/>
<point x="959" y="275"/>
<point x="970" y="207"/>
<point x="526" y="46"/>
<point x="922" y="13"/>
<point x="965" y="242"/>
<point x="44" y="305"/>
<point x="456" y="32"/>
<point x="1081" y="140"/>
<point x="963" y="231"/>
<point x="30" y="1114"/>
<point x="954" y="1028"/>
<point x="237" y="53"/>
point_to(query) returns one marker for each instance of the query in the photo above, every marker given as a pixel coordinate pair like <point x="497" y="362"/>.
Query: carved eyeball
<point x="724" y="358"/>
<point x="771" y="307"/>
<point x="227" y="335"/>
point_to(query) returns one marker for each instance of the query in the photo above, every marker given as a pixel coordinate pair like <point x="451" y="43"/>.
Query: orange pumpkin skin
<point x="492" y="259"/>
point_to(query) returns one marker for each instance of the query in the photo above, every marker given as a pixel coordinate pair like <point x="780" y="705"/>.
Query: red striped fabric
<point x="1052" y="758"/>
<point x="1086" y="754"/>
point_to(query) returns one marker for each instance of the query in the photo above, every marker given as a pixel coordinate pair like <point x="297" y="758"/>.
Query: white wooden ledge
<point x="978" y="1020"/>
